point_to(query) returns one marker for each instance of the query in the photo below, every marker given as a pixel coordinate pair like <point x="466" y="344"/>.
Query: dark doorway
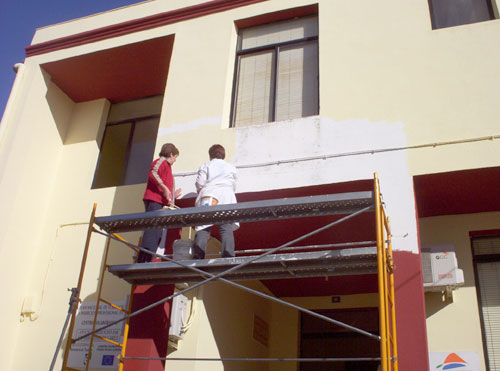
<point x="322" y="339"/>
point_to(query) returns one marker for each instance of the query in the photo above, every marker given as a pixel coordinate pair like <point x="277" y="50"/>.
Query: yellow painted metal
<point x="387" y="313"/>
<point x="129" y="310"/>
<point x="108" y="340"/>
<point x="125" y="330"/>
<point x="98" y="302"/>
<point x="386" y="289"/>
<point x="126" y="242"/>
<point x="393" y="298"/>
<point x="114" y="306"/>
<point x="79" y="287"/>
<point x="381" y="283"/>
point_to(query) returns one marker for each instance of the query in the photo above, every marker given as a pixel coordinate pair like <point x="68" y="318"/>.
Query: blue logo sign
<point x="107" y="360"/>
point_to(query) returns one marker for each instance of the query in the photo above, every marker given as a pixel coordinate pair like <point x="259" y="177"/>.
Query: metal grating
<point x="285" y="208"/>
<point x="351" y="261"/>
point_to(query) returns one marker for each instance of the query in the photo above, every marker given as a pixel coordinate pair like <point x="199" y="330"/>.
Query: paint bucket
<point x="208" y="201"/>
<point x="183" y="250"/>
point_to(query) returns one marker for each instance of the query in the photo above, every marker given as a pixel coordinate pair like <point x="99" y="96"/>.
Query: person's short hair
<point x="217" y="151"/>
<point x="169" y="149"/>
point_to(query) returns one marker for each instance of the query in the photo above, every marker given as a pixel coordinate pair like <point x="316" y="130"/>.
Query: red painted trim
<point x="489" y="232"/>
<point x="410" y="312"/>
<point x="136" y="25"/>
<point x="280" y="15"/>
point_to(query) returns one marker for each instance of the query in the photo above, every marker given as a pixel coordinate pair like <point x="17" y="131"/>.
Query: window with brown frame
<point x="449" y="13"/>
<point x="276" y="75"/>
<point x="128" y="143"/>
<point x="486" y="253"/>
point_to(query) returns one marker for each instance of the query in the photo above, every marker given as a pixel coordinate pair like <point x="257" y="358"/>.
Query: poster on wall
<point x="463" y="361"/>
<point x="104" y="354"/>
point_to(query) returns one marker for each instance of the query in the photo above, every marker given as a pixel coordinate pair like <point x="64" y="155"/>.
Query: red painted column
<point x="410" y="312"/>
<point x="148" y="332"/>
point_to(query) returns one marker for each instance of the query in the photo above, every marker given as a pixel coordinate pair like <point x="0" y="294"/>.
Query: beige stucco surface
<point x="386" y="80"/>
<point x="453" y="323"/>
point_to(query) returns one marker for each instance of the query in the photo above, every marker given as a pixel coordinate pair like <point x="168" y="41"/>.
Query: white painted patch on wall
<point x="296" y="141"/>
<point x="190" y="126"/>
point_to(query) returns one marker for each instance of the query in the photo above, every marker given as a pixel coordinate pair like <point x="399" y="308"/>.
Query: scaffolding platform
<point x="352" y="261"/>
<point x="285" y="208"/>
<point x="331" y="260"/>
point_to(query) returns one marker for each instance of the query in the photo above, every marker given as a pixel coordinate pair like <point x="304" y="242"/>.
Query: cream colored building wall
<point x="387" y="80"/>
<point x="454" y="324"/>
<point x="29" y="159"/>
<point x="223" y="328"/>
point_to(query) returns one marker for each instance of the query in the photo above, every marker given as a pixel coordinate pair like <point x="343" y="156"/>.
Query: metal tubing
<point x="126" y="329"/>
<point x="72" y="303"/>
<point x="119" y="238"/>
<point x="107" y="340"/>
<point x="113" y="305"/>
<point x="386" y="291"/>
<point x="258" y="293"/>
<point x="381" y="285"/>
<point x="219" y="275"/>
<point x="393" y="297"/>
<point x="259" y="359"/>
<point x="311" y="247"/>
<point x="98" y="301"/>
<point x="79" y="286"/>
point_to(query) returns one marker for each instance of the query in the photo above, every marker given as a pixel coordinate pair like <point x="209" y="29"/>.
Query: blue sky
<point x="20" y="19"/>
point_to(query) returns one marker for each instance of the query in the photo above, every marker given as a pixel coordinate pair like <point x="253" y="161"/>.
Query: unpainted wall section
<point x="223" y="328"/>
<point x="379" y="89"/>
<point x="29" y="159"/>
<point x="443" y="314"/>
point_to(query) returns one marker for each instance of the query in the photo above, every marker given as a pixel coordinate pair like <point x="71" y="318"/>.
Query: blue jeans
<point x="152" y="237"/>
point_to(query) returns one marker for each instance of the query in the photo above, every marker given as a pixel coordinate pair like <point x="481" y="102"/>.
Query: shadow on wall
<point x="60" y="105"/>
<point x="127" y="199"/>
<point x="231" y="313"/>
<point x="434" y="302"/>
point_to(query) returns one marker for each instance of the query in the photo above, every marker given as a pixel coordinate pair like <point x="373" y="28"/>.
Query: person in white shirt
<point x="215" y="184"/>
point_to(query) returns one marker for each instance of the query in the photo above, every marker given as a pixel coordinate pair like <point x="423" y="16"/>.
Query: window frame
<point x="133" y="121"/>
<point x="476" y="260"/>
<point x="489" y="4"/>
<point x="275" y="48"/>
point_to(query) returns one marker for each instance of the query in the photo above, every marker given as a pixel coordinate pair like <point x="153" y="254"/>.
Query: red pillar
<point x="148" y="332"/>
<point x="410" y="312"/>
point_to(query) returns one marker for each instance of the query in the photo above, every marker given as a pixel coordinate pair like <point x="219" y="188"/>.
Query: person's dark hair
<point x="169" y="149"/>
<point x="217" y="151"/>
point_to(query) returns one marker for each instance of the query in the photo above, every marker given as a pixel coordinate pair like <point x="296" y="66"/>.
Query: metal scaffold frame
<point x="358" y="258"/>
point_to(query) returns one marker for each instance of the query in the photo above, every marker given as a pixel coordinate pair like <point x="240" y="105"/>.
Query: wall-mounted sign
<point x="104" y="354"/>
<point x="463" y="361"/>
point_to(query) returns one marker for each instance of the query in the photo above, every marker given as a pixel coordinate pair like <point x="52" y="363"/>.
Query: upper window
<point x="448" y="13"/>
<point x="128" y="143"/>
<point x="276" y="72"/>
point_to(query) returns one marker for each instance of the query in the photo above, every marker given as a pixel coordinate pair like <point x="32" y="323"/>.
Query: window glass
<point x="297" y="93"/>
<point x="448" y="13"/>
<point x="141" y="152"/>
<point x="113" y="155"/>
<point x="255" y="85"/>
<point x="277" y="72"/>
<point x="275" y="33"/>
<point x="487" y="268"/>
<point x="128" y="145"/>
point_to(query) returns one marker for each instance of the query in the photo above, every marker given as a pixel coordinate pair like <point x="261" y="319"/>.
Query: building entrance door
<point x="320" y="339"/>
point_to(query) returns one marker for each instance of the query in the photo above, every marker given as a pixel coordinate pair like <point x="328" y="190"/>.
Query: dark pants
<point x="226" y="236"/>
<point x="151" y="238"/>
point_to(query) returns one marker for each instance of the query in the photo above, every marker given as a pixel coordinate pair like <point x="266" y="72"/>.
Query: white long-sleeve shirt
<point x="216" y="178"/>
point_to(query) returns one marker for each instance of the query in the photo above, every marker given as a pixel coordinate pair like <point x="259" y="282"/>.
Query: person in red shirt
<point x="159" y="192"/>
